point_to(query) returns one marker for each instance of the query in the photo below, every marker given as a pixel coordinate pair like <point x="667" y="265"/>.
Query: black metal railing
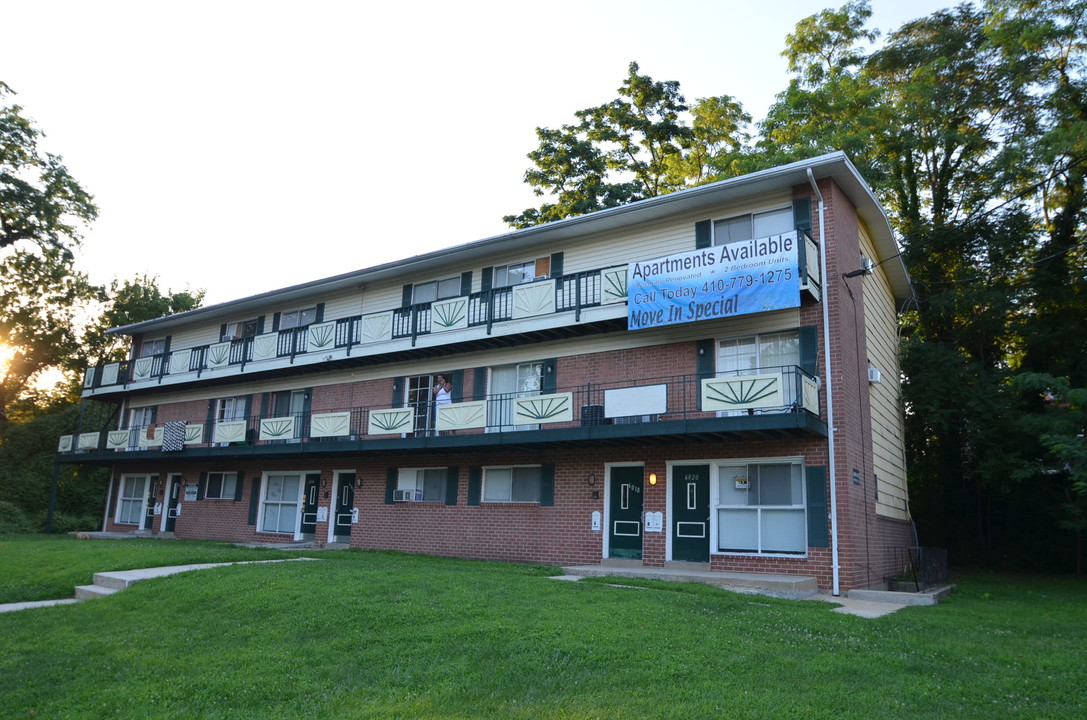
<point x="573" y="293"/>
<point x="292" y="341"/>
<point x="484" y="308"/>
<point x="919" y="568"/>
<point x="241" y="350"/>
<point x="677" y="397"/>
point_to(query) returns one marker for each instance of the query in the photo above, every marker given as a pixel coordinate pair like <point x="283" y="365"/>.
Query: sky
<point x="239" y="146"/>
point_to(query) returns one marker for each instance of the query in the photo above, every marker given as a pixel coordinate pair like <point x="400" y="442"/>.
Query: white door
<point x="132" y="500"/>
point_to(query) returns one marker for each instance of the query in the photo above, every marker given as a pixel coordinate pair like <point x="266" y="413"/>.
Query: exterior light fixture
<point x="652" y="478"/>
<point x="591" y="480"/>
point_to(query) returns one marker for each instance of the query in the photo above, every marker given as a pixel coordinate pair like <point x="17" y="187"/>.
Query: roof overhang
<point x="835" y="166"/>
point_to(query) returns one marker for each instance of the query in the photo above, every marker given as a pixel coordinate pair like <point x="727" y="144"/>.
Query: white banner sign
<point x="736" y="279"/>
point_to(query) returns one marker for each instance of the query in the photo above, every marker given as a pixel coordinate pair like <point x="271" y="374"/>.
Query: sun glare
<point x="45" y="380"/>
<point x="6" y="354"/>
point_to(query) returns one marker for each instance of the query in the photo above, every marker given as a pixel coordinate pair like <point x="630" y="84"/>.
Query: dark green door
<point x="691" y="513"/>
<point x="625" y="513"/>
<point x="173" y="495"/>
<point x="341" y="508"/>
<point x="309" y="504"/>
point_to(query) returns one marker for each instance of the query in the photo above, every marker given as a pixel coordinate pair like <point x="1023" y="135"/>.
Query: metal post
<point x="52" y="498"/>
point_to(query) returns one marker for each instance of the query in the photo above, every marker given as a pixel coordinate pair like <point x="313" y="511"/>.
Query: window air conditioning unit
<point x="403" y="495"/>
<point x="874" y="375"/>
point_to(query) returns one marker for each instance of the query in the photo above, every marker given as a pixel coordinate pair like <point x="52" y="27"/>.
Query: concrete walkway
<point x="861" y="603"/>
<point x="108" y="583"/>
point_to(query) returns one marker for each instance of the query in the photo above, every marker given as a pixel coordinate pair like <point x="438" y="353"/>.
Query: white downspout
<point x="829" y="385"/>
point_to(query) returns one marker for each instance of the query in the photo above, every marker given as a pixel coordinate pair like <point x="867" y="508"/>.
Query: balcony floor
<point x="668" y="432"/>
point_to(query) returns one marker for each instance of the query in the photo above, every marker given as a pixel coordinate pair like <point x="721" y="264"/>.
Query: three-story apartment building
<point x="710" y="377"/>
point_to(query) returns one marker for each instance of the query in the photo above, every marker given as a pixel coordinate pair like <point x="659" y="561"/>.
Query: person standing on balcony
<point x="443" y="395"/>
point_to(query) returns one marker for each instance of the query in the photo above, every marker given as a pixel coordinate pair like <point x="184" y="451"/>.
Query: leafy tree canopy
<point x="129" y="302"/>
<point x="43" y="301"/>
<point x="40" y="202"/>
<point x="646" y="142"/>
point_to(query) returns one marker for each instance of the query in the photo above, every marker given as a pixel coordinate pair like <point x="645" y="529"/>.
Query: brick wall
<point x="561" y="534"/>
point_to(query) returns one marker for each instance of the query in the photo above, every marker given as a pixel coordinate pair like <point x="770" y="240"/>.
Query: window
<point x="141" y="423"/>
<point x="297" y="318"/>
<point x="288" y="403"/>
<point x="521" y="272"/>
<point x="754" y="353"/>
<point x="766" y="353"/>
<point x="435" y="290"/>
<point x="149" y="348"/>
<point x="279" y="507"/>
<point x="230" y="408"/>
<point x="757" y="225"/>
<point x="133" y="491"/>
<point x="221" y="486"/>
<point x="239" y="330"/>
<point x="760" y="508"/>
<point x="421" y="484"/>
<point x="509" y="382"/>
<point x="512" y="484"/>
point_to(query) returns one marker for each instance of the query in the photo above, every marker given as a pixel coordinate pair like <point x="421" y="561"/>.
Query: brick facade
<point x="561" y="532"/>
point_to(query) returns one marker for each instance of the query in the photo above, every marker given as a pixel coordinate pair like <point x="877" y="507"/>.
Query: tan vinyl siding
<point x="195" y="337"/>
<point x="657" y="239"/>
<point x="382" y="297"/>
<point x="343" y="305"/>
<point x="888" y="443"/>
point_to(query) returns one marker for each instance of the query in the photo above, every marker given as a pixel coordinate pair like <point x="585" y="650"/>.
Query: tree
<point x="1045" y="42"/>
<point x="638" y="146"/>
<point x="1051" y="420"/>
<point x="946" y="103"/>
<point x="129" y="302"/>
<point x="47" y="302"/>
<point x="956" y="340"/>
<point x="42" y="301"/>
<point x="970" y="124"/>
<point x="40" y="202"/>
<point x="829" y="104"/>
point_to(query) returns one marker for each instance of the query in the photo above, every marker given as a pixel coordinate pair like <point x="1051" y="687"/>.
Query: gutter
<point x="830" y="389"/>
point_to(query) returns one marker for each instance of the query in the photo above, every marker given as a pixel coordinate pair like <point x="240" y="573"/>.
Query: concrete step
<point x="113" y="580"/>
<point x="786" y="586"/>
<point x="929" y="597"/>
<point x="86" y="592"/>
<point x="120" y="579"/>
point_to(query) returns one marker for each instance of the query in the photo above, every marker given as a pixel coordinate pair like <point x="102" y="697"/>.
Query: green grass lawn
<point x="384" y="635"/>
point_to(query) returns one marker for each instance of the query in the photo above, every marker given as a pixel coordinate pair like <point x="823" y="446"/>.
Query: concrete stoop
<point x="928" y="597"/>
<point x="861" y="603"/>
<point x="792" y="587"/>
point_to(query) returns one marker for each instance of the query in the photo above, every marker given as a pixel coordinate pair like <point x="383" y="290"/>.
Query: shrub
<point x="13" y="520"/>
<point x="64" y="523"/>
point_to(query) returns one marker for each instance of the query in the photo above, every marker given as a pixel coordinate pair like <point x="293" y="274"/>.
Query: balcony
<point x="546" y="303"/>
<point x="549" y="305"/>
<point x="771" y="402"/>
